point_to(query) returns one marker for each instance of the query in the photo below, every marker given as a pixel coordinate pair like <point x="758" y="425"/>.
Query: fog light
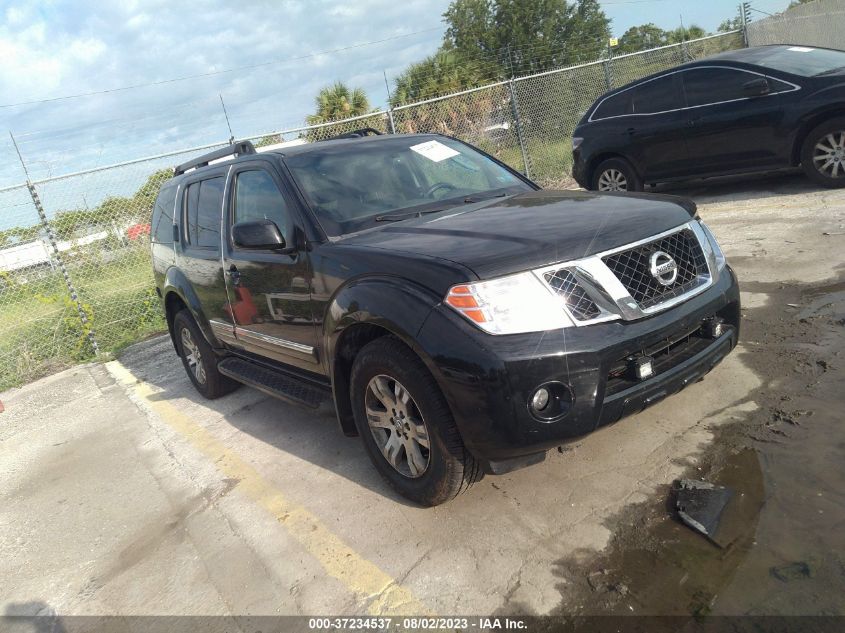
<point x="540" y="400"/>
<point x="714" y="328"/>
<point x="641" y="367"/>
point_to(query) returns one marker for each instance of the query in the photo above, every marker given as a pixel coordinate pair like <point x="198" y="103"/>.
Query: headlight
<point x="576" y="142"/>
<point x="509" y="305"/>
<point x="717" y="250"/>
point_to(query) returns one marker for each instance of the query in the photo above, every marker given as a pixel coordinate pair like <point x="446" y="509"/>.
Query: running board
<point x="273" y="383"/>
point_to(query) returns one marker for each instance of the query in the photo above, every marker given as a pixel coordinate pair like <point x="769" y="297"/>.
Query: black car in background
<point x="749" y="110"/>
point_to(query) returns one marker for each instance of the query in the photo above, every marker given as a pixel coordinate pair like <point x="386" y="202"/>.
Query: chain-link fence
<point x="819" y="23"/>
<point x="75" y="273"/>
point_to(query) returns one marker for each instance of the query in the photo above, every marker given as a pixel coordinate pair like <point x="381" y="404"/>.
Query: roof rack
<point x="240" y="148"/>
<point x="365" y="131"/>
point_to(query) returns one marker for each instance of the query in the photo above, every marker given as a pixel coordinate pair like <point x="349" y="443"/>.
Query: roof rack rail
<point x="240" y="148"/>
<point x="364" y="131"/>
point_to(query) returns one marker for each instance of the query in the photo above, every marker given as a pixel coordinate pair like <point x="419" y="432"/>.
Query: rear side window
<point x="703" y="86"/>
<point x="203" y="208"/>
<point x="617" y="105"/>
<point x="162" y="221"/>
<point x="657" y="95"/>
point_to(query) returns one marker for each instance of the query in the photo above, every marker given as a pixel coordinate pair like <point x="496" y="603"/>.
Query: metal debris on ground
<point x="700" y="505"/>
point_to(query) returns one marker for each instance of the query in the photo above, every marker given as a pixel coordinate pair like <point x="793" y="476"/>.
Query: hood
<point x="532" y="229"/>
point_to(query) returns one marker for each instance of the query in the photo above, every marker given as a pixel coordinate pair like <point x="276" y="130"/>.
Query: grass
<point x="40" y="326"/>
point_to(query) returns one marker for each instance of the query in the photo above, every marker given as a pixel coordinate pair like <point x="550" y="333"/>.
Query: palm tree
<point x="339" y="102"/>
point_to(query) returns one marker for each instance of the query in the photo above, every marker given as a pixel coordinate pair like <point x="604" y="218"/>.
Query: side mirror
<point x="259" y="234"/>
<point x="756" y="87"/>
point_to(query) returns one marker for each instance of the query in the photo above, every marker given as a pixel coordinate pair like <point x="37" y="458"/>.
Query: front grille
<point x="578" y="303"/>
<point x="632" y="268"/>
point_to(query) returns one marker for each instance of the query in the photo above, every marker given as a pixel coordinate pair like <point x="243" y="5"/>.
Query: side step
<point x="273" y="383"/>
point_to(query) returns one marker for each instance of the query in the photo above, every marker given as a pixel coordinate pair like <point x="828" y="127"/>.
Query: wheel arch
<point x="808" y="125"/>
<point x="598" y="159"/>
<point x="178" y="294"/>
<point x="363" y="311"/>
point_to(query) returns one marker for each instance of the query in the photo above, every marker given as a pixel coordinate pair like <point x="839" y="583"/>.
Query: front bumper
<point x="488" y="380"/>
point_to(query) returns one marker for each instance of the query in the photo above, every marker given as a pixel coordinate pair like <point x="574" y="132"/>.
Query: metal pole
<point x="608" y="71"/>
<point x="389" y="104"/>
<point x="56" y="253"/>
<point x="519" y="131"/>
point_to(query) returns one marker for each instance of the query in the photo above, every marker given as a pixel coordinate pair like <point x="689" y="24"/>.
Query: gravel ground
<point x="125" y="493"/>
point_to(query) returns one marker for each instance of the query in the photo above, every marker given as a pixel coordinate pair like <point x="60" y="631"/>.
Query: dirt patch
<point x="784" y="542"/>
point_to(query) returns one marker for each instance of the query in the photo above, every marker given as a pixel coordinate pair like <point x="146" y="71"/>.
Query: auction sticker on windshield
<point x="434" y="150"/>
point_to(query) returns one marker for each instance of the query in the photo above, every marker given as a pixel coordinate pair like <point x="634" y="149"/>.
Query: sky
<point x="52" y="49"/>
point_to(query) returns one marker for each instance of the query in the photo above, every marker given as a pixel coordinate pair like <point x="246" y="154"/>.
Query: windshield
<point x="351" y="186"/>
<point x="803" y="60"/>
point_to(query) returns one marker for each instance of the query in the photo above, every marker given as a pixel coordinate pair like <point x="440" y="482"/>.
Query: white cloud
<point x="52" y="49"/>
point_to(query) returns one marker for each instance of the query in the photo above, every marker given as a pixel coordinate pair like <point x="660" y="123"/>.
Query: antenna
<point x="225" y="114"/>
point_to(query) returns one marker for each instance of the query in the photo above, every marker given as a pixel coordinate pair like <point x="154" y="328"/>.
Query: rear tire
<point x="406" y="425"/>
<point x="823" y="154"/>
<point x="199" y="359"/>
<point x="616" y="174"/>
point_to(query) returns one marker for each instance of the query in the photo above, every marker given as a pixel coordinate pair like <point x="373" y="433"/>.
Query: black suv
<point x="461" y="320"/>
<point x="749" y="110"/>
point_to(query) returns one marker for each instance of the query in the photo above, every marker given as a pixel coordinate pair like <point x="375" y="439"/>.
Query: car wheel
<point x="199" y="359"/>
<point x="823" y="154"/>
<point x="616" y="174"/>
<point x="406" y="425"/>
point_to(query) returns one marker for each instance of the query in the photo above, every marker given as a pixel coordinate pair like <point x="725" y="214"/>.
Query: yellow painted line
<point x="369" y="582"/>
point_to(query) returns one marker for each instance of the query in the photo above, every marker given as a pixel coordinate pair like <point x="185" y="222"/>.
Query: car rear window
<point x="162" y="221"/>
<point x="616" y="105"/>
<point x="657" y="95"/>
<point x="203" y="212"/>
<point x="803" y="60"/>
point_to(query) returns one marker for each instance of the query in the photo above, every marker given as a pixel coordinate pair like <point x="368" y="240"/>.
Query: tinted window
<point x="714" y="85"/>
<point x="657" y="95"/>
<point x="617" y="105"/>
<point x="258" y="198"/>
<point x="204" y="205"/>
<point x="163" y="216"/>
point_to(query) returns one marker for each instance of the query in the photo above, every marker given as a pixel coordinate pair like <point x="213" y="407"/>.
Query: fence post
<point x="608" y="74"/>
<point x="390" y="119"/>
<point x="58" y="257"/>
<point x="519" y="131"/>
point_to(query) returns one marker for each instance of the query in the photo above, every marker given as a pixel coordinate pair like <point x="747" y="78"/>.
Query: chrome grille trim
<point x="607" y="292"/>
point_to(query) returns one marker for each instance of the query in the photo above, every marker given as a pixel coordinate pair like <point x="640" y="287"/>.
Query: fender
<point x="176" y="282"/>
<point x="393" y="304"/>
<point x="830" y="102"/>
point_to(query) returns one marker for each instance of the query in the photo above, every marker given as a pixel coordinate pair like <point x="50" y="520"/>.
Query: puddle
<point x="784" y="530"/>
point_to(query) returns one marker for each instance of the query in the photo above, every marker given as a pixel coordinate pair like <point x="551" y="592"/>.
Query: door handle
<point x="631" y="131"/>
<point x="693" y="122"/>
<point x="234" y="275"/>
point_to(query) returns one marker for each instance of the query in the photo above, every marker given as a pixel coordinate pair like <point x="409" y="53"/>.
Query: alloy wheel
<point x="829" y="155"/>
<point x="612" y="180"/>
<point x="397" y="426"/>
<point x="193" y="356"/>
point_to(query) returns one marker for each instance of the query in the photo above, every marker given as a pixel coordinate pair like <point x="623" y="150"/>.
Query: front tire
<point x="616" y="174"/>
<point x="823" y="154"/>
<point x="199" y="359"/>
<point x="406" y="425"/>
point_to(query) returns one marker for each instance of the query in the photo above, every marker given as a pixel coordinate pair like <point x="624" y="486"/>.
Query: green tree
<point x="524" y="36"/>
<point x="338" y="102"/>
<point x="797" y="3"/>
<point x="685" y="34"/>
<point x="732" y="24"/>
<point x="639" y="38"/>
<point x="444" y="72"/>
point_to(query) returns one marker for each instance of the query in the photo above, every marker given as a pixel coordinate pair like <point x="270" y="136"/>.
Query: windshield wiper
<point x="830" y="72"/>
<point x="394" y="217"/>
<point x="404" y="216"/>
